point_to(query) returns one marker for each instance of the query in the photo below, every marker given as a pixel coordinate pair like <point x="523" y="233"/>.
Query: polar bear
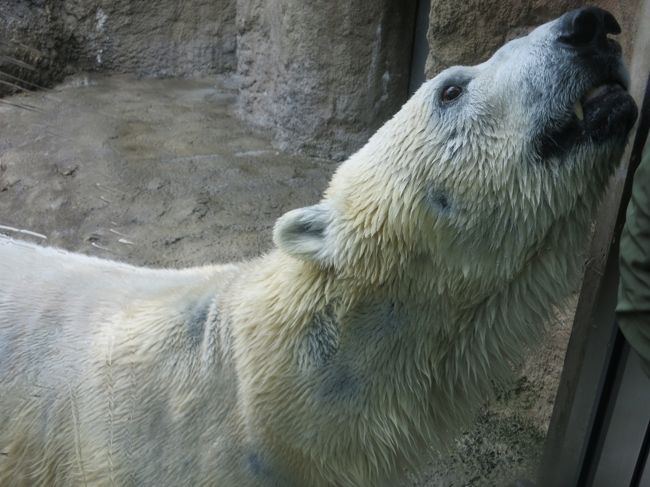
<point x="372" y="331"/>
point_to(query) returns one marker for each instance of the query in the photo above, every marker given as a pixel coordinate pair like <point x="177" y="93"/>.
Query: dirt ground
<point x="161" y="173"/>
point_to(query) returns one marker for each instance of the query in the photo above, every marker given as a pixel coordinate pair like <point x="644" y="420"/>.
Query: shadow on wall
<point x="321" y="76"/>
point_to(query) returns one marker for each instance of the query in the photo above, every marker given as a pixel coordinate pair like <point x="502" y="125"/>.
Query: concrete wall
<point x="469" y="32"/>
<point x="324" y="75"/>
<point x="321" y="76"/>
<point x="32" y="44"/>
<point x="161" y="38"/>
<point x="43" y="40"/>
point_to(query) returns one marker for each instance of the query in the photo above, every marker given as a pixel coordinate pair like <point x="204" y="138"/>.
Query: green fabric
<point x="633" y="309"/>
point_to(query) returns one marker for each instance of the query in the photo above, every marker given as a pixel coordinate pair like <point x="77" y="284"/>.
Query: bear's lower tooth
<point x="579" y="112"/>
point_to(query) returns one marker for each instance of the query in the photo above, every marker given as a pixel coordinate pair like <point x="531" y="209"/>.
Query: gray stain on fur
<point x="391" y="321"/>
<point x="255" y="465"/>
<point x="321" y="341"/>
<point x="339" y="384"/>
<point x="264" y="474"/>
<point x="375" y="321"/>
<point x="370" y="327"/>
<point x="196" y="322"/>
<point x="439" y="201"/>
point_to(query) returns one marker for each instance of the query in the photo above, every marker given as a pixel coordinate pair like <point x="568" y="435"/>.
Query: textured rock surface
<point x="323" y="75"/>
<point x="469" y="32"/>
<point x="161" y="38"/>
<point x="320" y="75"/>
<point x="627" y="12"/>
<point x="42" y="40"/>
<point x="33" y="46"/>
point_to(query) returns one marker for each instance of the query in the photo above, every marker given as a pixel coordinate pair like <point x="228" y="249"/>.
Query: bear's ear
<point x="302" y="233"/>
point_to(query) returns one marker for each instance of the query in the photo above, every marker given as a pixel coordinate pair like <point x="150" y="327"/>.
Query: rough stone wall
<point x="469" y="32"/>
<point x="323" y="75"/>
<point x="627" y="12"/>
<point x="161" y="38"/>
<point x="32" y="44"/>
<point x="42" y="40"/>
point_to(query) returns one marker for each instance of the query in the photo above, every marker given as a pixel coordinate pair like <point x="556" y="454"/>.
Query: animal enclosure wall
<point x="319" y="76"/>
<point x="175" y="133"/>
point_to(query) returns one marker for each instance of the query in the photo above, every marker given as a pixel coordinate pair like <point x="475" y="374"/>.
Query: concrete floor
<point x="160" y="173"/>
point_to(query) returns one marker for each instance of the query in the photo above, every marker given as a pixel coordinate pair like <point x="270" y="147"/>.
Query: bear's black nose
<point x="587" y="26"/>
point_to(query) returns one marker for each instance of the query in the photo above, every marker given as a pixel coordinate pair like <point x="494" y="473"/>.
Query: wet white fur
<point x="372" y="333"/>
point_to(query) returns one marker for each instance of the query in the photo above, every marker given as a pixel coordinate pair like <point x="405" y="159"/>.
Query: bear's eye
<point x="451" y="93"/>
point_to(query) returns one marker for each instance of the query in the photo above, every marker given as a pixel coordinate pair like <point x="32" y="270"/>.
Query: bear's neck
<point x="322" y="347"/>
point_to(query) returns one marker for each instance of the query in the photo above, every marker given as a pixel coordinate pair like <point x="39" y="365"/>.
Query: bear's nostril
<point x="587" y="26"/>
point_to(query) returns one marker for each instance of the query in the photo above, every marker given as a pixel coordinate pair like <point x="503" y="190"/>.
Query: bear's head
<point x="483" y="166"/>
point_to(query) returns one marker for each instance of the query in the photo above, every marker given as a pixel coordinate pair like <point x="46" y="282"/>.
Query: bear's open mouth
<point x="604" y="111"/>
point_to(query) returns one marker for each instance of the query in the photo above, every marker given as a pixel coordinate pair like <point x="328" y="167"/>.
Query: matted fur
<point x="371" y="334"/>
